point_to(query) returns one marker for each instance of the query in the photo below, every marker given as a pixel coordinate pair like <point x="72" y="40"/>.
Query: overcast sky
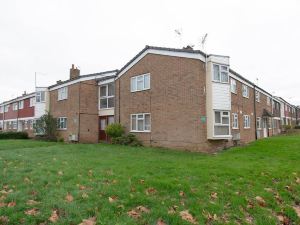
<point x="262" y="38"/>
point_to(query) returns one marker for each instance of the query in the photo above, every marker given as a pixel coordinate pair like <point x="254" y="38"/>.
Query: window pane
<point x="217" y="117"/>
<point x="224" y="77"/>
<point x="102" y="91"/>
<point x="140" y="125"/>
<point x="224" y="68"/>
<point x="216" y="73"/>
<point x="102" y="124"/>
<point x="103" y="103"/>
<point x="111" y="89"/>
<point x="133" y="84"/>
<point x="147" y="81"/>
<point x="225" y="120"/>
<point x="133" y="122"/>
<point x="221" y="130"/>
<point x="147" y="122"/>
<point x="111" y="102"/>
<point x="111" y="119"/>
<point x="42" y="96"/>
<point x="140" y="83"/>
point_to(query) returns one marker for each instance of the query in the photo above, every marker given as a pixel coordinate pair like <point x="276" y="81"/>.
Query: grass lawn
<point x="68" y="183"/>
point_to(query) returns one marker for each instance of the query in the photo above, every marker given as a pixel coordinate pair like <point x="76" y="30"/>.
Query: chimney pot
<point x="74" y="72"/>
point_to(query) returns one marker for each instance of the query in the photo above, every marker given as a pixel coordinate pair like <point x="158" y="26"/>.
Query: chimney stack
<point x="74" y="72"/>
<point x="24" y="93"/>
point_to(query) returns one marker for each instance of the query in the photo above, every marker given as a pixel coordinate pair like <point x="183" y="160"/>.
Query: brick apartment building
<point x="175" y="98"/>
<point x="75" y="104"/>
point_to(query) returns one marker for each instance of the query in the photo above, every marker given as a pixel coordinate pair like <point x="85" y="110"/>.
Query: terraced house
<point x="174" y="98"/>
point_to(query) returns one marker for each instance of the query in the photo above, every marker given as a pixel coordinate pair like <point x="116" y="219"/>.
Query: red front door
<point x="103" y="122"/>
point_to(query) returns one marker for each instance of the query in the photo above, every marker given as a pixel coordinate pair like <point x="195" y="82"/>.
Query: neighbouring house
<point x="20" y="113"/>
<point x="74" y="103"/>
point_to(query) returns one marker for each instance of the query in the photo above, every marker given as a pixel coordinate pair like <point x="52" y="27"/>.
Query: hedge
<point x="13" y="135"/>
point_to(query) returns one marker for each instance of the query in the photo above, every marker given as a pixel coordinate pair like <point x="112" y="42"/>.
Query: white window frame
<point x="14" y="125"/>
<point x="21" y="104"/>
<point x="40" y="96"/>
<point x="134" y="82"/>
<point x="107" y="97"/>
<point x="245" y="91"/>
<point x="247" y="122"/>
<point x="31" y="102"/>
<point x="60" y="121"/>
<point x="257" y="96"/>
<point x="142" y="118"/>
<point x="62" y="93"/>
<point x="6" y="108"/>
<point x="235" y="121"/>
<point x="258" y="123"/>
<point x="233" y="86"/>
<point x="221" y="71"/>
<point x="15" y="106"/>
<point x="222" y="115"/>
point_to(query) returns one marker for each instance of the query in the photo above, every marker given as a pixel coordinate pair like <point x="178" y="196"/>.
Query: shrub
<point x="13" y="135"/>
<point x="45" y="127"/>
<point x="297" y="127"/>
<point x="287" y="127"/>
<point x="114" y="130"/>
<point x="129" y="139"/>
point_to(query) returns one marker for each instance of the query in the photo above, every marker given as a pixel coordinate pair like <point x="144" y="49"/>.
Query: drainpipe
<point x="255" y="126"/>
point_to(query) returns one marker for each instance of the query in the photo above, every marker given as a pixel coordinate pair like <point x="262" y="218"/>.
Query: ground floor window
<point x="140" y="122"/>
<point x="221" y="123"/>
<point x="246" y="121"/>
<point x="62" y="123"/>
<point x="258" y="123"/>
<point x="235" y="121"/>
<point x="14" y="125"/>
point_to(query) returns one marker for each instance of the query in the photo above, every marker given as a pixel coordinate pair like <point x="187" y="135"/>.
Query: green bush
<point x="287" y="127"/>
<point x="129" y="139"/>
<point x="114" y="130"/>
<point x="297" y="127"/>
<point x="13" y="135"/>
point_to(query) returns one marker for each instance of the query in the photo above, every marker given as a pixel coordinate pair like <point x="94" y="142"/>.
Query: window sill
<point x="139" y="131"/>
<point x="234" y="93"/>
<point x="139" y="90"/>
<point x="235" y="128"/>
<point x="58" y="100"/>
<point x="62" y="129"/>
<point x="247" y="128"/>
<point x="221" y="137"/>
<point x="246" y="97"/>
<point x="106" y="108"/>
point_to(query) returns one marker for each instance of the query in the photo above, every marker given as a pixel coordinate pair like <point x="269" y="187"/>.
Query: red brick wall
<point x="11" y="114"/>
<point x="27" y="111"/>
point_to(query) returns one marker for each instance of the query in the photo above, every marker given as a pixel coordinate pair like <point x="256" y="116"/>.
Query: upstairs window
<point x="40" y="96"/>
<point x="15" y="106"/>
<point x="141" y="122"/>
<point x="62" y="123"/>
<point x="220" y="73"/>
<point x="6" y="107"/>
<point x="140" y="83"/>
<point x="107" y="96"/>
<point x="1" y="109"/>
<point x="62" y="93"/>
<point x="233" y="86"/>
<point x="245" y="91"/>
<point x="235" y="121"/>
<point x="246" y="121"/>
<point x="21" y="104"/>
<point x="31" y="102"/>
<point x="257" y="96"/>
<point x="221" y="123"/>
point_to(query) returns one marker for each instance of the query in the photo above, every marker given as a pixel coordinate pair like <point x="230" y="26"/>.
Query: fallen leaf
<point x="27" y="180"/>
<point x="150" y="190"/>
<point x="283" y="219"/>
<point x="54" y="216"/>
<point x="4" y="220"/>
<point x="297" y="210"/>
<point x="2" y="204"/>
<point x="32" y="202"/>
<point x="214" y="195"/>
<point x="60" y="173"/>
<point x="185" y="215"/>
<point x="260" y="201"/>
<point x="90" y="173"/>
<point x="82" y="187"/>
<point x="298" y="180"/>
<point x="269" y="190"/>
<point x="84" y="195"/>
<point x="172" y="209"/>
<point x="181" y="193"/>
<point x="289" y="188"/>
<point x="160" y="222"/>
<point x="89" y="221"/>
<point x="134" y="214"/>
<point x="142" y="181"/>
<point x="278" y="198"/>
<point x="69" y="198"/>
<point x="32" y="212"/>
<point x="249" y="219"/>
<point x="143" y="209"/>
<point x="112" y="199"/>
<point x="11" y="204"/>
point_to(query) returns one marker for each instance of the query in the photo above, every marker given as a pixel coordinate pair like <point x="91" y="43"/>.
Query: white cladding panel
<point x="221" y="96"/>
